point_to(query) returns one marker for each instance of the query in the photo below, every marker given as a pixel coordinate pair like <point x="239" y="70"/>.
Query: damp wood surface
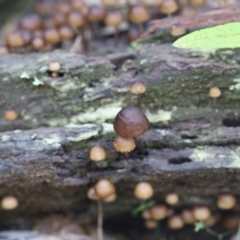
<point x="192" y="147"/>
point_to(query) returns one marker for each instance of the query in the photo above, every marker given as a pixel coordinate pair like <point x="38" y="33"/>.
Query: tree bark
<point x="191" y="148"/>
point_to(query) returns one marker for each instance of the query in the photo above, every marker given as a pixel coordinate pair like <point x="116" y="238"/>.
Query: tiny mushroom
<point x="91" y="194"/>
<point x="10" y="115"/>
<point x="9" y="202"/>
<point x="201" y="213"/>
<point x="110" y="198"/>
<point x="175" y="222"/>
<point x="187" y="216"/>
<point x="159" y="212"/>
<point x="104" y="188"/>
<point x="226" y="201"/>
<point x="131" y="122"/>
<point x="168" y="7"/>
<point x="124" y="145"/>
<point x="143" y="191"/>
<point x="177" y="30"/>
<point x="97" y="154"/>
<point x="138" y="88"/>
<point x="172" y="198"/>
<point x="150" y="224"/>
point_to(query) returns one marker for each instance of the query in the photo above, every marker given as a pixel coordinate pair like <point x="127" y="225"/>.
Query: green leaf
<point x="222" y="36"/>
<point x="143" y="206"/>
<point x="198" y="226"/>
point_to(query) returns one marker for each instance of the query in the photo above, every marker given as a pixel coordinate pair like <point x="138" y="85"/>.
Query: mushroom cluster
<point x="60" y="23"/>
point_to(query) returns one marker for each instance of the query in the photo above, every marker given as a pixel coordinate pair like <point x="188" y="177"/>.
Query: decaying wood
<point x="159" y="30"/>
<point x="191" y="148"/>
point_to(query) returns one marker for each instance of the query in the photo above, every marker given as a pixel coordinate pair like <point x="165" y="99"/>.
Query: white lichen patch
<point x="5" y="138"/>
<point x="84" y="135"/>
<point x="200" y="155"/>
<point x="52" y="140"/>
<point x="107" y="127"/>
<point x="55" y="122"/>
<point x="24" y="75"/>
<point x="163" y="132"/>
<point x="159" y="116"/>
<point x="236" y="159"/>
<point x="235" y="86"/>
<point x="98" y="115"/>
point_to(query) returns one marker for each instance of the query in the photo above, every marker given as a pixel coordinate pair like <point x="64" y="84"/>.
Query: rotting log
<point x="191" y="148"/>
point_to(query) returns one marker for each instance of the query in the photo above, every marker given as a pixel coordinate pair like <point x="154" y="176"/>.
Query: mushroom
<point x="110" y="3"/>
<point x="214" y="93"/>
<point x="146" y="214"/>
<point x="63" y="7"/>
<point x="97" y="154"/>
<point x="226" y="201"/>
<point x="79" y="5"/>
<point x="172" y="198"/>
<point x="201" y="213"/>
<point x="96" y="15"/>
<point x="197" y="3"/>
<point x="158" y="212"/>
<point x="110" y="198"/>
<point x="104" y="188"/>
<point x="124" y="145"/>
<point x="9" y="202"/>
<point x="175" y="222"/>
<point x="212" y="220"/>
<point x="138" y="88"/>
<point x="10" y="115"/>
<point x="77" y="20"/>
<point x="143" y="191"/>
<point x="37" y="43"/>
<point x="177" y="30"/>
<point x="51" y="36"/>
<point x="168" y="7"/>
<point x="91" y="194"/>
<point x="66" y="33"/>
<point x="31" y="22"/>
<point x="150" y="224"/>
<point x="139" y="14"/>
<point x="114" y="19"/>
<point x="231" y="221"/>
<point x="15" y="40"/>
<point x="187" y="216"/>
<point x="131" y="122"/>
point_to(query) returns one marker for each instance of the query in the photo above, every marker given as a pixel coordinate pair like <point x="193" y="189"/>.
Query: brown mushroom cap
<point x="187" y="216"/>
<point x="212" y="220"/>
<point x="197" y="3"/>
<point x="27" y="36"/>
<point x="138" y="88"/>
<point x="110" y="3"/>
<point x="231" y="221"/>
<point x="97" y="154"/>
<point x="226" y="201"/>
<point x="10" y="115"/>
<point x="158" y="212"/>
<point x="104" y="188"/>
<point x="168" y="6"/>
<point x="37" y="43"/>
<point x="138" y="14"/>
<point x="59" y="19"/>
<point x="146" y="214"/>
<point x="91" y="194"/>
<point x="9" y="202"/>
<point x="201" y="213"/>
<point x="66" y="33"/>
<point x="44" y="7"/>
<point x="131" y="122"/>
<point x="49" y="22"/>
<point x="54" y="66"/>
<point x="76" y="19"/>
<point x="63" y="7"/>
<point x="151" y="3"/>
<point x="175" y="222"/>
<point x="124" y="145"/>
<point x="110" y="198"/>
<point x="133" y="34"/>
<point x="172" y="198"/>
<point x="79" y="5"/>
<point x="114" y="18"/>
<point x="150" y="224"/>
<point x="15" y="39"/>
<point x="214" y="92"/>
<point x="177" y="30"/>
<point x="4" y="50"/>
<point x="143" y="191"/>
<point x="31" y="22"/>
<point x="96" y="14"/>
<point x="51" y="36"/>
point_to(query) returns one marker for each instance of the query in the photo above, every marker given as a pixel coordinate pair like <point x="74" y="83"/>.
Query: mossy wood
<point x="192" y="147"/>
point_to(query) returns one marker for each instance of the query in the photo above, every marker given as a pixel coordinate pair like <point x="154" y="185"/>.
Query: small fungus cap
<point x="131" y="122"/>
<point x="51" y="36"/>
<point x="138" y="88"/>
<point x="15" y="39"/>
<point x="175" y="222"/>
<point x="76" y="19"/>
<point x="96" y="14"/>
<point x="110" y="3"/>
<point x="138" y="14"/>
<point x="168" y="7"/>
<point x="201" y="213"/>
<point x="150" y="224"/>
<point x="10" y="115"/>
<point x="172" y="198"/>
<point x="214" y="92"/>
<point x="104" y="188"/>
<point x="91" y="194"/>
<point x="31" y="22"/>
<point x="187" y="216"/>
<point x="197" y="3"/>
<point x="110" y="198"/>
<point x="114" y="18"/>
<point x="9" y="202"/>
<point x="158" y="212"/>
<point x="97" y="154"/>
<point x="151" y="3"/>
<point x="54" y="66"/>
<point x="37" y="43"/>
<point x="177" y="30"/>
<point x="66" y="33"/>
<point x="226" y="201"/>
<point x="143" y="191"/>
<point x="124" y="145"/>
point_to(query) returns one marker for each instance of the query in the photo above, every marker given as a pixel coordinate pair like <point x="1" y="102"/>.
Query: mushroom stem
<point x="100" y="221"/>
<point x="140" y="27"/>
<point x="116" y="36"/>
<point x="84" y="41"/>
<point x="126" y="155"/>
